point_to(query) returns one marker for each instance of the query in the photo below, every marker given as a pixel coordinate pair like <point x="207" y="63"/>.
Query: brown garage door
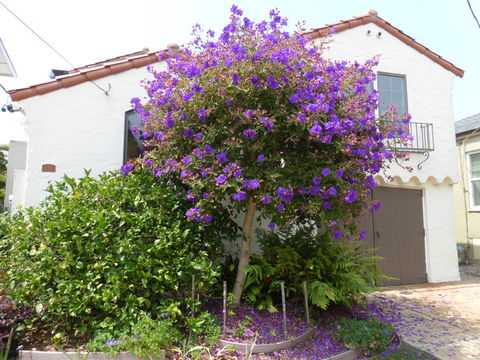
<point x="396" y="229"/>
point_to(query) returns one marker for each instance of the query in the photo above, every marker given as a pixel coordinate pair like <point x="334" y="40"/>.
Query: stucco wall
<point x="467" y="220"/>
<point x="77" y="128"/>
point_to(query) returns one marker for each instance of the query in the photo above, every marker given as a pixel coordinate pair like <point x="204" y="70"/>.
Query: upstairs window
<point x="474" y="179"/>
<point x="392" y="90"/>
<point x="133" y="144"/>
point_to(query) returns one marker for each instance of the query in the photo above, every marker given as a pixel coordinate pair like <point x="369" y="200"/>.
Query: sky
<point x="89" y="31"/>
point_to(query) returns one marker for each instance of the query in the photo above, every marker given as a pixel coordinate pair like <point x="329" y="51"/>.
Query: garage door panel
<point x="398" y="233"/>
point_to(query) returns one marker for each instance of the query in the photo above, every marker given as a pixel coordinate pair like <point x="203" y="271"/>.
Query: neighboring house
<point x="6" y="66"/>
<point x="467" y="191"/>
<point x="73" y="125"/>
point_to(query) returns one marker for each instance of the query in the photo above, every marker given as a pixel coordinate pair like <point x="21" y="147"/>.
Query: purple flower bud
<point x="271" y="225"/>
<point x="249" y="113"/>
<point x="237" y="173"/>
<point x="281" y="207"/>
<point x="326" y="172"/>
<point x="266" y="199"/>
<point x="202" y="114"/>
<point x="261" y="158"/>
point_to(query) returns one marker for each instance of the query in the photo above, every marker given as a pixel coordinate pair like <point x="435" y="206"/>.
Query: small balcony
<point x="422" y="142"/>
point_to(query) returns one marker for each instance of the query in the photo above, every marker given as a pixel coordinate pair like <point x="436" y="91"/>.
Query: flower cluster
<point x="259" y="114"/>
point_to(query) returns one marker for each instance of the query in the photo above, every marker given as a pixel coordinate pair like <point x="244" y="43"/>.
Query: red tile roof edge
<point x="143" y="58"/>
<point x="88" y="73"/>
<point x="372" y="17"/>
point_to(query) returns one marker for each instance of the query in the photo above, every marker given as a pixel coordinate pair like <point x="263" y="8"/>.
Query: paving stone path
<point x="443" y="319"/>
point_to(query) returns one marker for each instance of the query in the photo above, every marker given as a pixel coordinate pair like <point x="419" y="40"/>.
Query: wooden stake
<point x="307" y="312"/>
<point x="224" y="306"/>
<point x="193" y="295"/>
<point x="282" y="287"/>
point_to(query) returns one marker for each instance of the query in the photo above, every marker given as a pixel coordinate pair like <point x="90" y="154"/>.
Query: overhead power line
<point x="473" y="13"/>
<point x="52" y="48"/>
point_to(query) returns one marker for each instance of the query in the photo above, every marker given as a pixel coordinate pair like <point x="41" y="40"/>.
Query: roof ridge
<point x="372" y="17"/>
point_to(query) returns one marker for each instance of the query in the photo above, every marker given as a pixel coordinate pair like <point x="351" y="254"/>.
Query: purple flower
<point x="197" y="88"/>
<point x="209" y="150"/>
<point x="281" y="207"/>
<point x="125" y="169"/>
<point x="237" y="173"/>
<point x="187" y="97"/>
<point x="375" y="206"/>
<point x="187" y="160"/>
<point x="188" y="132"/>
<point x="249" y="133"/>
<point x="351" y="196"/>
<point x="229" y="102"/>
<point x="269" y="126"/>
<point x="202" y="114"/>
<point x="235" y="79"/>
<point x="316" y="180"/>
<point x="284" y="194"/>
<point x="316" y="129"/>
<point x="240" y="195"/>
<point x="251" y="184"/>
<point x="326" y="205"/>
<point x="326" y="172"/>
<point x="332" y="191"/>
<point x="199" y="136"/>
<point x="363" y="235"/>
<point x="266" y="199"/>
<point x="271" y="225"/>
<point x="294" y="98"/>
<point x="220" y="179"/>
<point x="249" y="113"/>
<point x="272" y="83"/>
<point x="261" y="158"/>
<point x="207" y="218"/>
<point x="222" y="157"/>
<point x="337" y="234"/>
<point x="206" y="196"/>
<point x="339" y="173"/>
<point x="193" y="213"/>
<point x="302" y="190"/>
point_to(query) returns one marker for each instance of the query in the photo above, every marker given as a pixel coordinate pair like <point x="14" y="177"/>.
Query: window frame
<point x="405" y="92"/>
<point x="471" y="198"/>
<point x="126" y="132"/>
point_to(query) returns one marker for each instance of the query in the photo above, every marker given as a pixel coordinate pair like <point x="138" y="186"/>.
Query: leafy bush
<point x="98" y="252"/>
<point x="370" y="336"/>
<point x="146" y="339"/>
<point x="336" y="271"/>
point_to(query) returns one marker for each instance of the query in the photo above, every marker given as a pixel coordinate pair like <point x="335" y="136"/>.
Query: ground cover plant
<point x="257" y="121"/>
<point x="100" y="254"/>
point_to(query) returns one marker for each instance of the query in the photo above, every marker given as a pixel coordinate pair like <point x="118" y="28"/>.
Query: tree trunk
<point x="245" y="250"/>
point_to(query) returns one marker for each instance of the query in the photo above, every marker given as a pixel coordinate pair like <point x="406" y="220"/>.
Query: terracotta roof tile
<point x="372" y="17"/>
<point x="87" y="73"/>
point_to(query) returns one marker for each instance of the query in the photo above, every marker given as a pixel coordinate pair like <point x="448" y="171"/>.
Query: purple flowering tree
<point x="257" y="121"/>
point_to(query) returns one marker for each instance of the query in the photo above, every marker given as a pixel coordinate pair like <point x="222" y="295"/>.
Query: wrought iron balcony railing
<point x="423" y="140"/>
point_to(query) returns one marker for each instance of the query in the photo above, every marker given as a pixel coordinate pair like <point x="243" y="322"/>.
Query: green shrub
<point x="146" y="339"/>
<point x="99" y="252"/>
<point x="370" y="336"/>
<point x="336" y="271"/>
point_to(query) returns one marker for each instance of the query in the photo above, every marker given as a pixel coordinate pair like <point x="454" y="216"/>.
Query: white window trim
<point x="471" y="205"/>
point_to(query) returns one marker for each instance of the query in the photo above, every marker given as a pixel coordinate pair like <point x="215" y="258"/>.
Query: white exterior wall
<point x="78" y="128"/>
<point x="429" y="99"/>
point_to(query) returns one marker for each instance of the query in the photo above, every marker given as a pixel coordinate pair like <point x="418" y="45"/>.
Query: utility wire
<point x="52" y="48"/>
<point x="473" y="13"/>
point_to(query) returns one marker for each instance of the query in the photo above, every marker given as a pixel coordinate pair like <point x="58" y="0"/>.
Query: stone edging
<point x="59" y="355"/>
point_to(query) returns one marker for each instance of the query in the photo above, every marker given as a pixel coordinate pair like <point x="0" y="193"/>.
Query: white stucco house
<point x="74" y="126"/>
